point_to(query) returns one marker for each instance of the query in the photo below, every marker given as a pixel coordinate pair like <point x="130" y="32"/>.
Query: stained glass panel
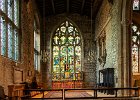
<point x="66" y="51"/>
<point x="70" y="29"/>
<point x="63" y="40"/>
<point x="56" y="39"/>
<point x="136" y="4"/>
<point x="63" y="29"/>
<point x="71" y="39"/>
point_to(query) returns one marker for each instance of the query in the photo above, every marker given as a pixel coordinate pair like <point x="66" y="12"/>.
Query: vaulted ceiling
<point x="82" y="7"/>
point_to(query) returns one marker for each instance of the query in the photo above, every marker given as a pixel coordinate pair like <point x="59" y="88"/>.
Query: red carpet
<point x="68" y="94"/>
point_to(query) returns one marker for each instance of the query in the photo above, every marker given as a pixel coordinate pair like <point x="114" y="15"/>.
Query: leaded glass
<point x="16" y="41"/>
<point x="2" y="5"/>
<point x="10" y="8"/>
<point x="3" y="36"/>
<point x="136" y="4"/>
<point x="16" y="12"/>
<point x="10" y="41"/>
<point x="135" y="48"/>
<point x="135" y="58"/>
<point x="66" y="51"/>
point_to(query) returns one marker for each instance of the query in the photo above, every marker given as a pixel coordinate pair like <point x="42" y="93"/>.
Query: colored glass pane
<point x="71" y="39"/>
<point x="70" y="29"/>
<point x="56" y="39"/>
<point x="77" y="40"/>
<point x="63" y="40"/>
<point x="63" y="29"/>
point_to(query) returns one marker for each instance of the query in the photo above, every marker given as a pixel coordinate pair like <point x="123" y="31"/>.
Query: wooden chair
<point x="2" y="94"/>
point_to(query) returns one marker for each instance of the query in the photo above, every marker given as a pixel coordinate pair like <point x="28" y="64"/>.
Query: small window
<point x="136" y="4"/>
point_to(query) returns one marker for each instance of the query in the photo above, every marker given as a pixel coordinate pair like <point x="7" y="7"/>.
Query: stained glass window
<point x="135" y="48"/>
<point x="9" y="28"/>
<point x="136" y="5"/>
<point x="66" y="53"/>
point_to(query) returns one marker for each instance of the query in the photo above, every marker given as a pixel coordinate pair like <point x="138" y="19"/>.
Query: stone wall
<point x="84" y="25"/>
<point x="108" y="20"/>
<point x="7" y="66"/>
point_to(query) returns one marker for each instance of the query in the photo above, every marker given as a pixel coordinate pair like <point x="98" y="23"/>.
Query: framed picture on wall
<point x="18" y="76"/>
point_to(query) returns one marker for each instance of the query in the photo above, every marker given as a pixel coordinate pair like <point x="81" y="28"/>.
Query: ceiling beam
<point x="53" y="6"/>
<point x="68" y="6"/>
<point x="83" y="3"/>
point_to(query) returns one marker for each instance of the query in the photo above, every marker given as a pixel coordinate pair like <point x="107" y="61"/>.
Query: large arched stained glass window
<point x="135" y="48"/>
<point x="66" y="53"/>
